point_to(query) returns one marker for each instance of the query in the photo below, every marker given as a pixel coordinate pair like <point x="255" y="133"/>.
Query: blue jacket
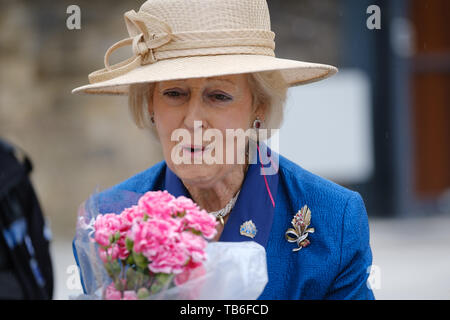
<point x="335" y="263"/>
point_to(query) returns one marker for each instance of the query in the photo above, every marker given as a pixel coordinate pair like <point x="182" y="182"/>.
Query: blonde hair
<point x="269" y="90"/>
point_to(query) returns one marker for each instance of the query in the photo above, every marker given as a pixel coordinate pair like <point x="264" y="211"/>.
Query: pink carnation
<point x="156" y="204"/>
<point x="106" y="226"/>
<point x="167" y="249"/>
<point x="115" y="251"/>
<point x="153" y="235"/>
<point x="164" y="229"/>
<point x="131" y="214"/>
<point x="129" y="295"/>
<point x="182" y="203"/>
<point x="111" y="252"/>
<point x="123" y="252"/>
<point x="171" y="259"/>
<point x="102" y="237"/>
<point x="195" y="218"/>
<point x="179" y="255"/>
<point x="112" y="293"/>
<point x="201" y="221"/>
<point x="194" y="246"/>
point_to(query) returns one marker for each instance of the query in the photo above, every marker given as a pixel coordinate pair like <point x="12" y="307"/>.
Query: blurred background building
<point x="380" y="127"/>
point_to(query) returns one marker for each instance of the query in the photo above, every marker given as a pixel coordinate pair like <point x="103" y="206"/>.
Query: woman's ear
<point x="260" y="111"/>
<point x="150" y="112"/>
<point x="149" y="101"/>
<point x="150" y="108"/>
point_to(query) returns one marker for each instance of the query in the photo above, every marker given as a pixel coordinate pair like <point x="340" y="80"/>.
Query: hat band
<point x="149" y="47"/>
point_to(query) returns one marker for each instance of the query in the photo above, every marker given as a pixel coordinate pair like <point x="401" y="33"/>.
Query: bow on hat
<point x="146" y="34"/>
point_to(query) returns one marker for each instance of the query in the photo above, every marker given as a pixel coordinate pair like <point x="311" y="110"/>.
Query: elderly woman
<point x="209" y="65"/>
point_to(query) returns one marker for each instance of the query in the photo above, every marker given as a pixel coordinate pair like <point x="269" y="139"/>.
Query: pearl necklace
<point x="220" y="214"/>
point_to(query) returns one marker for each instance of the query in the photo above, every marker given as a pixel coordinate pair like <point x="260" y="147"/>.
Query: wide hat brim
<point x="294" y="72"/>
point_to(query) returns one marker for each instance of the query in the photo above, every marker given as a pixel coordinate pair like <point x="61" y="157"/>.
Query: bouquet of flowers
<point x="158" y="249"/>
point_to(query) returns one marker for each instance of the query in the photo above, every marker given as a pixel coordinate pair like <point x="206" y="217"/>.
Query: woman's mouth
<point x="194" y="149"/>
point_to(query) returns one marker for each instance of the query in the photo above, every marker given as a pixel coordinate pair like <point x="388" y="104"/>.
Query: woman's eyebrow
<point x="175" y="82"/>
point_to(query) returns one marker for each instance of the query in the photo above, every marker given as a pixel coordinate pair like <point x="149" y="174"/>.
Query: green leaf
<point x="140" y="260"/>
<point x="196" y="232"/>
<point x="129" y="244"/>
<point x="181" y="214"/>
<point x="161" y="280"/>
<point x="119" y="285"/>
<point x="143" y="293"/>
<point x="116" y="267"/>
<point x="117" y="236"/>
<point x="129" y="261"/>
<point x="131" y="278"/>
<point x="140" y="278"/>
<point x="156" y="287"/>
<point x="109" y="269"/>
<point x="163" y="277"/>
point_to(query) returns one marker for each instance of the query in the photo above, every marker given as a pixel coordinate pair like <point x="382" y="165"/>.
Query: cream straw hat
<point x="181" y="39"/>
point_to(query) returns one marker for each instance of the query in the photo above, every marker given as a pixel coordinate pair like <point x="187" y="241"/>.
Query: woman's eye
<point x="174" y="94"/>
<point x="221" y="97"/>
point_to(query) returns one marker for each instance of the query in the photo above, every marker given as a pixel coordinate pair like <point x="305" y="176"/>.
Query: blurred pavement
<point x="413" y="256"/>
<point x="412" y="259"/>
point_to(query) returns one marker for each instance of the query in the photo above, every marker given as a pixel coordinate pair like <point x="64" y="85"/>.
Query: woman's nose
<point x="195" y="116"/>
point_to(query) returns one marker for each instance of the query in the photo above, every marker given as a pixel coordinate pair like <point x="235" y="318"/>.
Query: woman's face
<point x="196" y="106"/>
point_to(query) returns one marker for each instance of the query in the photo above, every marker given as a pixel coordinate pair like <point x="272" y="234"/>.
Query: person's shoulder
<point x="127" y="192"/>
<point x="143" y="181"/>
<point x="311" y="185"/>
<point x="329" y="202"/>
